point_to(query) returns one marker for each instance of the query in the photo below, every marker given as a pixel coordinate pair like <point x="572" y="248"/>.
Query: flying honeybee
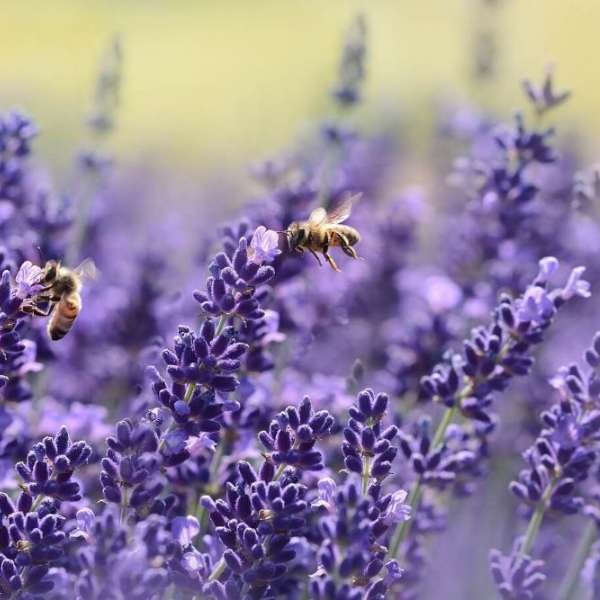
<point x="324" y="230"/>
<point x="60" y="297"/>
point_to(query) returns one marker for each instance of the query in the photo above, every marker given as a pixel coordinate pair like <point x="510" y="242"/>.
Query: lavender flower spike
<point x="28" y="280"/>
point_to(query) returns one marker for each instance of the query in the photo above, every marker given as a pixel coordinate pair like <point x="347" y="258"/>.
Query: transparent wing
<point x="87" y="269"/>
<point x="341" y="212"/>
<point x="318" y="216"/>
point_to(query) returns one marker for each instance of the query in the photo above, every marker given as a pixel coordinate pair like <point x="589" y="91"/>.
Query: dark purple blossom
<point x="292" y="437"/>
<point x="544" y="97"/>
<point x="231" y="287"/>
<point x="49" y="467"/>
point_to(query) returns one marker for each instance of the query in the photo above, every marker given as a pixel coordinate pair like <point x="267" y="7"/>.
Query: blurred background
<point x="208" y="86"/>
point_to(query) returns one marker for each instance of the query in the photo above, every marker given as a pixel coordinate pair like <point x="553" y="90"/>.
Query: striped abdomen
<point x="64" y="315"/>
<point x="340" y="235"/>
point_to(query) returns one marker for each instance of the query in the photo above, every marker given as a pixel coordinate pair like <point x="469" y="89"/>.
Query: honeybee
<point x="60" y="297"/>
<point x="324" y="230"/>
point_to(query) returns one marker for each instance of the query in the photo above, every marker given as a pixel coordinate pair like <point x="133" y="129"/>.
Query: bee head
<point x="51" y="271"/>
<point x="296" y="235"/>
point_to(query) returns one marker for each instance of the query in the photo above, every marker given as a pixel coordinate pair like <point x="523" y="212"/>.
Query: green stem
<point x="415" y="495"/>
<point x="221" y="324"/>
<point x="366" y="475"/>
<point x="571" y="580"/>
<point x="532" y="529"/>
<point x="124" y="506"/>
<point x="202" y="516"/>
<point x="37" y="502"/>
<point x="217" y="571"/>
<point x="440" y="432"/>
<point x="536" y="520"/>
<point x="279" y="472"/>
<point x="402" y="531"/>
<point x="216" y="460"/>
<point x="201" y="513"/>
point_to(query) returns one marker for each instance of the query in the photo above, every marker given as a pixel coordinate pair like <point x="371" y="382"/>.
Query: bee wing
<point x="87" y="269"/>
<point x="318" y="216"/>
<point x="341" y="212"/>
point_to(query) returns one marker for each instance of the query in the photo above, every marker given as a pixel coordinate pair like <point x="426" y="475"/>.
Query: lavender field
<point x="374" y="376"/>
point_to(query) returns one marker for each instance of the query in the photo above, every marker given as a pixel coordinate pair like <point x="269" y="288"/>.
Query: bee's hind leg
<point x="347" y="248"/>
<point x="33" y="309"/>
<point x="316" y="256"/>
<point x="351" y="252"/>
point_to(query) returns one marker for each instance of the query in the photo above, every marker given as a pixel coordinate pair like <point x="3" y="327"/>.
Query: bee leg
<point x="347" y="248"/>
<point x="330" y="260"/>
<point x="316" y="256"/>
<point x="32" y="309"/>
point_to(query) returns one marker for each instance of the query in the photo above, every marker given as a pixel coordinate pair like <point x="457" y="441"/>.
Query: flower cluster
<point x="494" y="355"/>
<point x="230" y="289"/>
<point x="293" y="434"/>
<point x="50" y="465"/>
<point x="349" y="521"/>
<point x="256" y="523"/>
<point x="558" y="465"/>
<point x="130" y="469"/>
<point x="368" y="449"/>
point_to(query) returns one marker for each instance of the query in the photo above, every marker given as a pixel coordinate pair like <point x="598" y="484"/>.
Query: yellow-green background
<point x="226" y="82"/>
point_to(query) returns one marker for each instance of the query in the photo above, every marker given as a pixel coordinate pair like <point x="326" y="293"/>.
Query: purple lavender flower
<point x="199" y="444"/>
<point x="558" y="464"/>
<point x="85" y="521"/>
<point x="543" y="97"/>
<point x="293" y="434"/>
<point x="28" y="280"/>
<point x="327" y="488"/>
<point x="263" y="246"/>
<point x="50" y="466"/>
<point x="576" y="286"/>
<point x="230" y="290"/>
<point x="368" y="448"/>
<point x="516" y="576"/>
<point x="130" y="474"/>
<point x="256" y="523"/>
<point x="493" y="356"/>
<point x="30" y="543"/>
<point x="398" y="510"/>
<point x="185" y="529"/>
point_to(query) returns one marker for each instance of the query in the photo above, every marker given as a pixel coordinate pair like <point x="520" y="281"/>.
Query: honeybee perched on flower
<point x="57" y="294"/>
<point x="324" y="230"/>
